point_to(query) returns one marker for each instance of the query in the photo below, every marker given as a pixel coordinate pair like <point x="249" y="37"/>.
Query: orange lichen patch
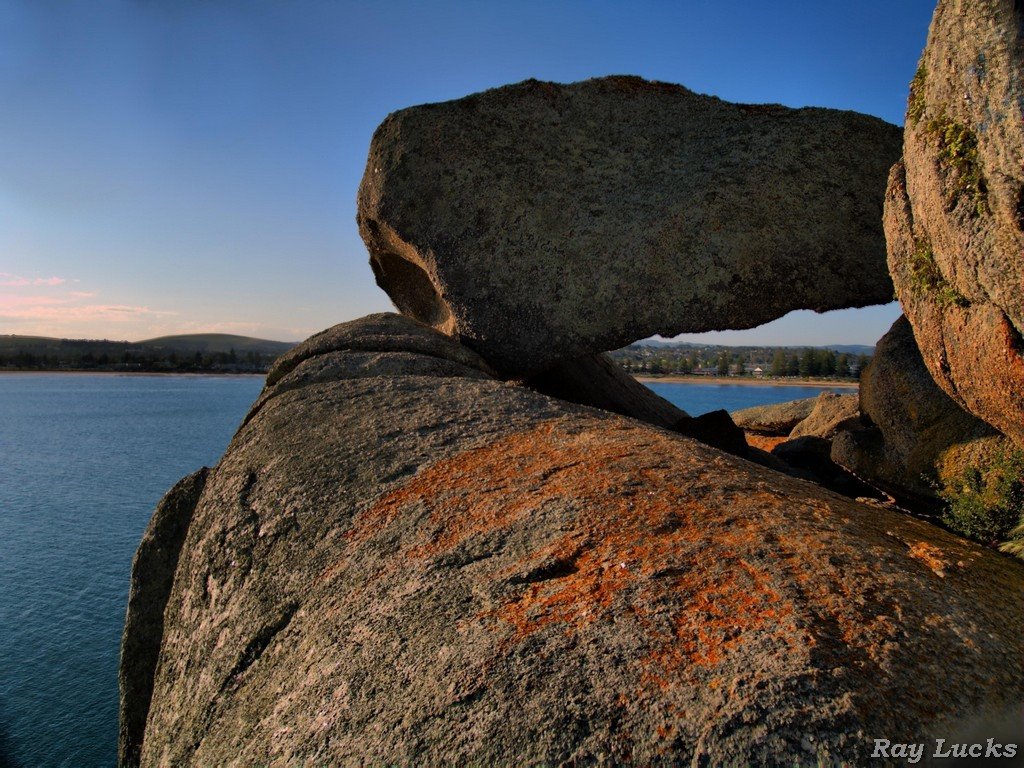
<point x="931" y="556"/>
<point x="478" y="491"/>
<point x="646" y="531"/>
<point x="845" y="597"/>
<point x="717" y="617"/>
<point x="575" y="600"/>
<point x="764" y="442"/>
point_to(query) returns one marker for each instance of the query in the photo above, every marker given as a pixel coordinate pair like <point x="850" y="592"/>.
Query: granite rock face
<point x="401" y="559"/>
<point x="539" y="223"/>
<point x="152" y="578"/>
<point x="831" y="413"/>
<point x="954" y="213"/>
<point x="916" y="435"/>
<point x="777" y="419"/>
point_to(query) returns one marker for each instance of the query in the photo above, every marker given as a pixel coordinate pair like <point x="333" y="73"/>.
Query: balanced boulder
<point x="539" y="223"/>
<point x="954" y="213"/>
<point x="403" y="560"/>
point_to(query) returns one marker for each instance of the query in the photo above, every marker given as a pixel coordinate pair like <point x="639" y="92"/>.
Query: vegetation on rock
<point x="915" y="101"/>
<point x="926" y="278"/>
<point x="987" y="503"/>
<point x="958" y="153"/>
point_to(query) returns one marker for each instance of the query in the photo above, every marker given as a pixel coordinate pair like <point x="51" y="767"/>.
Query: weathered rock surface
<point x="954" y="217"/>
<point x="831" y="413"/>
<point x="152" y="578"/>
<point x="600" y="382"/>
<point x="916" y="436"/>
<point x="399" y="567"/>
<point x="777" y="419"/>
<point x="541" y="222"/>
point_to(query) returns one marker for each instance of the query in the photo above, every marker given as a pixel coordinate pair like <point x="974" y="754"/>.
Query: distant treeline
<point x="807" y="362"/>
<point x="39" y="354"/>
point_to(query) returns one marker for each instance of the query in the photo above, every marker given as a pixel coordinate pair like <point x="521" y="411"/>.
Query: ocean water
<point x="697" y="398"/>
<point x="83" y="461"/>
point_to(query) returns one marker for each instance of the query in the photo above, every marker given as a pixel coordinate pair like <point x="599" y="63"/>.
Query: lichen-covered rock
<point x="954" y="216"/>
<point x="541" y="222"/>
<point x="395" y="567"/>
<point x="777" y="419"/>
<point x="916" y="437"/>
<point x="831" y="413"/>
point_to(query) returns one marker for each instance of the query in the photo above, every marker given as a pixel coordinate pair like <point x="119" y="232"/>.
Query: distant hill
<point x="850" y="349"/>
<point x="188" y="353"/>
<point x="217" y="342"/>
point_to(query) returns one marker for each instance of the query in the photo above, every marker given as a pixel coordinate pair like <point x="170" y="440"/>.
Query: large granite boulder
<point x="917" y="438"/>
<point x="540" y="222"/>
<point x="954" y="216"/>
<point x="402" y="560"/>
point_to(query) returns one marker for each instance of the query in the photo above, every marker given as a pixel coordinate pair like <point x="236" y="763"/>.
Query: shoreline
<point x="749" y="381"/>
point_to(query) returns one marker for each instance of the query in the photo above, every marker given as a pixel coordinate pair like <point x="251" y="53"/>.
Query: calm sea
<point x="697" y="398"/>
<point x="85" y="458"/>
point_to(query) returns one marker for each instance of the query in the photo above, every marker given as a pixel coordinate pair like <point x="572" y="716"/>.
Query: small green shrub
<point x="989" y="505"/>
<point x="927" y="279"/>
<point x="1015" y="543"/>
<point x="958" y="154"/>
<point x="915" y="101"/>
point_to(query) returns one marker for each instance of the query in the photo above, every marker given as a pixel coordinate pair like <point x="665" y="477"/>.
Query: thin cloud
<point x="17" y="281"/>
<point x="14" y="307"/>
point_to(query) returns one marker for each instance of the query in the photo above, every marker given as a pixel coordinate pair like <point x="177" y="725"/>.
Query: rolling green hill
<point x="217" y="342"/>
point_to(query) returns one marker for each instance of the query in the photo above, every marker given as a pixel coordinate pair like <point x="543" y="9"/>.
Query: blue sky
<point x="192" y="166"/>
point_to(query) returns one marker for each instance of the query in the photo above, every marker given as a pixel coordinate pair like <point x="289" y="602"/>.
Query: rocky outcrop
<point x="540" y="223"/>
<point x="152" y="578"/>
<point x="798" y="435"/>
<point x="777" y="419"/>
<point x="715" y="428"/>
<point x="954" y="215"/>
<point x="600" y="382"/>
<point x="397" y="564"/>
<point x="831" y="413"/>
<point x="916" y="438"/>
